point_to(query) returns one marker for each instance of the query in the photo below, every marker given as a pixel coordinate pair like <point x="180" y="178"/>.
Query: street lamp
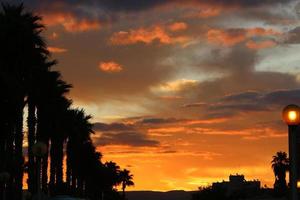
<point x="39" y="149"/>
<point x="4" y="177"/>
<point x="291" y="116"/>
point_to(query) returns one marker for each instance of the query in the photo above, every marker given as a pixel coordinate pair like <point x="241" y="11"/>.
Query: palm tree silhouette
<point x="21" y="44"/>
<point x="280" y="165"/>
<point x="126" y="179"/>
<point x="27" y="79"/>
<point x="79" y="130"/>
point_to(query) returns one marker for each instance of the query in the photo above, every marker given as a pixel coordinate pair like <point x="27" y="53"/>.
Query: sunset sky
<point x="182" y="92"/>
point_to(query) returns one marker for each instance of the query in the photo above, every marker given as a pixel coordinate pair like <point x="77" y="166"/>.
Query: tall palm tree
<point x="280" y="165"/>
<point x="79" y="129"/>
<point x="21" y="43"/>
<point x="126" y="179"/>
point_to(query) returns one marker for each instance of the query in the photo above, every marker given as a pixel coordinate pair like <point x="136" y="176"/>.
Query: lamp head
<point x="291" y="114"/>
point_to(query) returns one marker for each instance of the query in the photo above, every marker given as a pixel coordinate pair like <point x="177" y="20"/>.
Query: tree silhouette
<point x="280" y="165"/>
<point x="27" y="80"/>
<point x="126" y="179"/>
<point x="21" y="45"/>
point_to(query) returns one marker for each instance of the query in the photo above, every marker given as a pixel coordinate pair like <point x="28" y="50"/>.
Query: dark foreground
<point x="176" y="195"/>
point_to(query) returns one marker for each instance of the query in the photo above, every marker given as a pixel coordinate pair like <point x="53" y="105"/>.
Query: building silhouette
<point x="237" y="184"/>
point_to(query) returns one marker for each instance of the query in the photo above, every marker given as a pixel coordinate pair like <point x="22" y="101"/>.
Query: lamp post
<point x="291" y="116"/>
<point x="39" y="149"/>
<point x="4" y="177"/>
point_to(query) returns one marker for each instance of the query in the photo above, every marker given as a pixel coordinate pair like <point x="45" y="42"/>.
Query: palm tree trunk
<point x="69" y="170"/>
<point x="9" y="155"/>
<point x="59" y="163"/>
<point x="52" y="162"/>
<point x="42" y="134"/>
<point x="45" y="170"/>
<point x="19" y="151"/>
<point x="31" y="123"/>
<point x="123" y="192"/>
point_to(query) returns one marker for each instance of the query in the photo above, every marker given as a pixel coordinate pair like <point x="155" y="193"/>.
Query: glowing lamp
<point x="291" y="115"/>
<point x="298" y="184"/>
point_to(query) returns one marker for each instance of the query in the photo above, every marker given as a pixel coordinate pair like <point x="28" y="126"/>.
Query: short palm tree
<point x="126" y="179"/>
<point x="280" y="165"/>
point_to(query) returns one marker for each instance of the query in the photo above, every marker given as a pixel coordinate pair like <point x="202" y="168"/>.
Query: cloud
<point x="197" y="104"/>
<point x="122" y="134"/>
<point x="149" y="121"/>
<point x="147" y="36"/>
<point x="112" y="127"/>
<point x="127" y="138"/>
<point x="70" y="22"/>
<point x="57" y="50"/>
<point x="226" y="38"/>
<point x="110" y="67"/>
<point x="137" y="5"/>
<point x="178" y="26"/>
<point x="175" y="86"/>
<point x="230" y="37"/>
<point x="205" y="11"/>
<point x="293" y="36"/>
<point x="252" y="101"/>
<point x="260" y="45"/>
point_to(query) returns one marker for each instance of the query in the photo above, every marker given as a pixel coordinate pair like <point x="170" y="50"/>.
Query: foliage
<point x="280" y="165"/>
<point x="28" y="81"/>
<point x="209" y="193"/>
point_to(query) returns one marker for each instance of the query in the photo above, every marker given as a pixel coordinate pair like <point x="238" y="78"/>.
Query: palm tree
<point x="21" y="44"/>
<point x="280" y="165"/>
<point x="125" y="179"/>
<point x="27" y="78"/>
<point x="79" y="129"/>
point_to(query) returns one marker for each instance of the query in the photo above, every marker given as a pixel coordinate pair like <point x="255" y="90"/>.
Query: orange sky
<point x="182" y="94"/>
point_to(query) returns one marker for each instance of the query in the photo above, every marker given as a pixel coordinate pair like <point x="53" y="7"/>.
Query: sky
<point x="182" y="93"/>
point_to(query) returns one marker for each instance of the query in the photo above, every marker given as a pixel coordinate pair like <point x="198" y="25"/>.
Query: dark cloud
<point x="112" y="127"/>
<point x="108" y="9"/>
<point x="137" y="5"/>
<point x="274" y="98"/>
<point x="245" y="96"/>
<point x="130" y="138"/>
<point x="122" y="134"/>
<point x="157" y="121"/>
<point x="237" y="65"/>
<point x="293" y="36"/>
<point x="198" y="104"/>
<point x="252" y="102"/>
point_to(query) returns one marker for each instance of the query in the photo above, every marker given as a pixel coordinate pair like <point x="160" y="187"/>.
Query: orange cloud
<point x="230" y="37"/>
<point x="171" y="97"/>
<point x="205" y="121"/>
<point x="70" y="22"/>
<point x="110" y="67"/>
<point x="178" y="26"/>
<point x="260" y="45"/>
<point x="147" y="36"/>
<point x="166" y="130"/>
<point x="261" y="32"/>
<point x="226" y="37"/>
<point x="205" y="13"/>
<point x="57" y="50"/>
<point x="175" y="86"/>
